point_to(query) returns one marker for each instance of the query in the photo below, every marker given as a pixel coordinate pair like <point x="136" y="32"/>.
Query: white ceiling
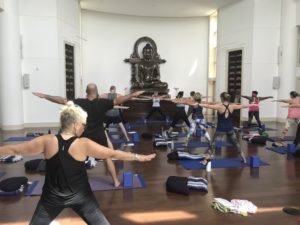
<point x="156" y="8"/>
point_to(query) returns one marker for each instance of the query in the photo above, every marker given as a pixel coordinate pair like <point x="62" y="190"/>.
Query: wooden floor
<point x="269" y="187"/>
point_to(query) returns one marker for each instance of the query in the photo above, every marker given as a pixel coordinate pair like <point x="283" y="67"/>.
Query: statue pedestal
<point x="141" y="108"/>
<point x="150" y="91"/>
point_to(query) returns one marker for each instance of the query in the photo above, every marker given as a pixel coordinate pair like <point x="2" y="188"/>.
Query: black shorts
<point x="112" y="119"/>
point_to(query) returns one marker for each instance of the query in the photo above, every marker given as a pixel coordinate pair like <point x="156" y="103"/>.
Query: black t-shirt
<point x="96" y="110"/>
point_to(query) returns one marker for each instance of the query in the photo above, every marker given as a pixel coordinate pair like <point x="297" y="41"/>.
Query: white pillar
<point x="288" y="46"/>
<point x="11" y="99"/>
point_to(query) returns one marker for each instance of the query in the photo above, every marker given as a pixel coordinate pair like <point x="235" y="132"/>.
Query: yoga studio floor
<point x="270" y="188"/>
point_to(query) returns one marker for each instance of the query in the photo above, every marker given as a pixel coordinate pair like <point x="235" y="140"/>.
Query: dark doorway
<point x="235" y="81"/>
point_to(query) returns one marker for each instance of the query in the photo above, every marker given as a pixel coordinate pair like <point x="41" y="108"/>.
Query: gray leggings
<point x="231" y="136"/>
<point x="86" y="208"/>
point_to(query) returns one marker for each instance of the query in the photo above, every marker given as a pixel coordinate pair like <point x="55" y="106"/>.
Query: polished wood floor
<point x="270" y="188"/>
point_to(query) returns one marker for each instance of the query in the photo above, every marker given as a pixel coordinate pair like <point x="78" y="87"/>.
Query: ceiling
<point x="156" y="8"/>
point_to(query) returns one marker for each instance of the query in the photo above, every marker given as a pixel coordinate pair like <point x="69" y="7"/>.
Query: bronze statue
<point x="145" y="72"/>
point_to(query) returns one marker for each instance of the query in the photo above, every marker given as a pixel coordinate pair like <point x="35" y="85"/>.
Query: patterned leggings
<point x="231" y="136"/>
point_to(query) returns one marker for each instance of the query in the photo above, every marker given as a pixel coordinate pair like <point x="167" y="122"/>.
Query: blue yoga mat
<point x="98" y="183"/>
<point x="218" y="163"/>
<point x="191" y="144"/>
<point x="11" y="139"/>
<point x="255" y="129"/>
<point x="280" y="150"/>
<point x="223" y="144"/>
<point x="118" y="141"/>
<point x="155" y="122"/>
<point x="2" y="173"/>
<point x="286" y="138"/>
<point x="115" y="133"/>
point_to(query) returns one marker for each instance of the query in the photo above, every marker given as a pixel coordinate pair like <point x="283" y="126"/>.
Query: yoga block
<point x="218" y="145"/>
<point x="198" y="132"/>
<point x="135" y="137"/>
<point x="127" y="179"/>
<point x="254" y="161"/>
<point x="127" y="126"/>
<point x="143" y="119"/>
<point x="291" y="148"/>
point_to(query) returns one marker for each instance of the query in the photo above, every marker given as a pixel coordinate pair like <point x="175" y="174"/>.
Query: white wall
<point x="1" y="5"/>
<point x="44" y="30"/>
<point x="298" y="13"/>
<point x="247" y="25"/>
<point x="266" y="39"/>
<point x="235" y="30"/>
<point x="183" y="42"/>
<point x="298" y="45"/>
<point x="69" y="32"/>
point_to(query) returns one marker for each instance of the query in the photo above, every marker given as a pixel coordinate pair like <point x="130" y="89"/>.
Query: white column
<point x="11" y="99"/>
<point x="288" y="46"/>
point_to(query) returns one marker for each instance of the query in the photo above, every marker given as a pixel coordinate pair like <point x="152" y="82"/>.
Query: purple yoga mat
<point x="98" y="183"/>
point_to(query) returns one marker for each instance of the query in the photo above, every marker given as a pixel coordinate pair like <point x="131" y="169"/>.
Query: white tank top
<point x="155" y="102"/>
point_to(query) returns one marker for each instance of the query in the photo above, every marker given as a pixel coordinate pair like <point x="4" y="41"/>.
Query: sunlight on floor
<point x="161" y="216"/>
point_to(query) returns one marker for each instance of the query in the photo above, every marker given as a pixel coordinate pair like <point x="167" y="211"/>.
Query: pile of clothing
<point x="10" y="158"/>
<point x="255" y="137"/>
<point x="237" y="206"/>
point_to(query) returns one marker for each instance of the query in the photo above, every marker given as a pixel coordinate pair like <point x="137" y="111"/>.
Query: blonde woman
<point x="66" y="182"/>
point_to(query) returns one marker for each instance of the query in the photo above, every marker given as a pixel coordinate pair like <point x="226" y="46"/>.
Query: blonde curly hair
<point x="71" y="114"/>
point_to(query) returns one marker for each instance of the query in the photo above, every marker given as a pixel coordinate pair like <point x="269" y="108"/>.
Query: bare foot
<point x="206" y="160"/>
<point x="243" y="159"/>
<point x="117" y="183"/>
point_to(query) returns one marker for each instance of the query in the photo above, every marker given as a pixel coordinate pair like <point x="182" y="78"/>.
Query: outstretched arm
<point x="122" y="99"/>
<point x="264" y="98"/>
<point x="98" y="151"/>
<point x="294" y="106"/>
<point x="186" y="101"/>
<point x="55" y="99"/>
<point x="239" y="106"/>
<point x="105" y="95"/>
<point x="247" y="97"/>
<point x="34" y="147"/>
<point x="283" y="100"/>
<point x="210" y="106"/>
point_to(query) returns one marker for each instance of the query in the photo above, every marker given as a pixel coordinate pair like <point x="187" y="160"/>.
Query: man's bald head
<point x="91" y="89"/>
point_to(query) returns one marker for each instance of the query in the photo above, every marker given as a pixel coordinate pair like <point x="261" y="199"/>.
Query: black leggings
<point x="250" y="117"/>
<point x="297" y="139"/>
<point x="87" y="208"/>
<point x="156" y="109"/>
<point x="180" y="114"/>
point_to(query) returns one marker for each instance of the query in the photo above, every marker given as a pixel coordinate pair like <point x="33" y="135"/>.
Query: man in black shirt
<point x="96" y="109"/>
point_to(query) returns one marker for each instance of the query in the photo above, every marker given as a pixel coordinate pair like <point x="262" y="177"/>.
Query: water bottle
<point x="208" y="165"/>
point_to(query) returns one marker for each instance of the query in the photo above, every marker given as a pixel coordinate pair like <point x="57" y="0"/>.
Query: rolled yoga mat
<point x="218" y="163"/>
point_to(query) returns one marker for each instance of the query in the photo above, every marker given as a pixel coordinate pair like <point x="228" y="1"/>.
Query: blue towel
<point x="11" y="139"/>
<point x="2" y="173"/>
<point x="218" y="163"/>
<point x="191" y="144"/>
